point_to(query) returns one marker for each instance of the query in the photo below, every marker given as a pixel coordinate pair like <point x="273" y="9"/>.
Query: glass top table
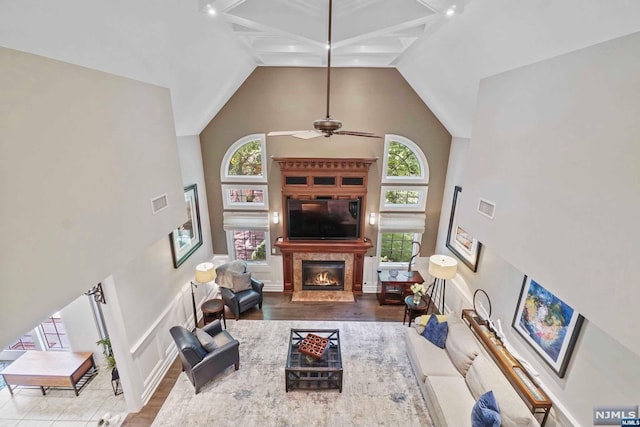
<point x="306" y="372"/>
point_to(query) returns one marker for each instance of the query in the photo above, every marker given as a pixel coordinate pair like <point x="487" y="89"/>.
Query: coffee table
<point x="306" y="372"/>
<point x="51" y="369"/>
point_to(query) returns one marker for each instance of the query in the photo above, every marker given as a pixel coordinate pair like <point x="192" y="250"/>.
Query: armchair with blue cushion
<point x="205" y="352"/>
<point x="240" y="291"/>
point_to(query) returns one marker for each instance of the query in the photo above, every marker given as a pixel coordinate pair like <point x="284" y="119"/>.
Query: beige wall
<point x="81" y="155"/>
<point x="370" y="100"/>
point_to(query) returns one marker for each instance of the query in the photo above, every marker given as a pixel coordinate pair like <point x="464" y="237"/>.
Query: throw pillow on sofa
<point x="241" y="281"/>
<point x="224" y="273"/>
<point x="206" y="340"/>
<point x="485" y="412"/>
<point x="422" y="320"/>
<point x="461" y="345"/>
<point x="436" y="332"/>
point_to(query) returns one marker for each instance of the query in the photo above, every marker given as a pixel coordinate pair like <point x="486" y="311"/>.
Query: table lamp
<point x="205" y="273"/>
<point x="442" y="267"/>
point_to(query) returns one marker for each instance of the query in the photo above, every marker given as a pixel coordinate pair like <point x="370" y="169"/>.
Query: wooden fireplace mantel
<point x="326" y="178"/>
<point x="356" y="247"/>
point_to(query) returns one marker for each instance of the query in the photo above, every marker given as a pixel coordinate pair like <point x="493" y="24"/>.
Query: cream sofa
<point x="452" y="379"/>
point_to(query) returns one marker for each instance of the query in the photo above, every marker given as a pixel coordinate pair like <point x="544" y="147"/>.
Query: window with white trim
<point x="247" y="236"/>
<point x="396" y="234"/>
<point x="245" y="161"/>
<point x="404" y="162"/>
<point x="404" y="189"/>
<point x="245" y="200"/>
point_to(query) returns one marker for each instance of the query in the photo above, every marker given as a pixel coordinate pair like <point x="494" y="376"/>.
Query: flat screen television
<point x="323" y="219"/>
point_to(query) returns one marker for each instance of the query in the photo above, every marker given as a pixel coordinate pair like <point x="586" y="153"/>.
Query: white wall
<point x="602" y="371"/>
<point x="81" y="155"/>
<point x="148" y="296"/>
<point x="555" y="146"/>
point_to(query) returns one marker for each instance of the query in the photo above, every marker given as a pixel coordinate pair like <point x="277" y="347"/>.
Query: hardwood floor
<point x="277" y="306"/>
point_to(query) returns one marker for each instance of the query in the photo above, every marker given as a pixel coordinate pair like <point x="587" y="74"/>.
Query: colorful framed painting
<point x="459" y="240"/>
<point x="548" y="324"/>
<point x="188" y="237"/>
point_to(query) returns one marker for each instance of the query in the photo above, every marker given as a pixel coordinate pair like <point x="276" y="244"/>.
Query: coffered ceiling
<point x="365" y="33"/>
<point x="203" y="59"/>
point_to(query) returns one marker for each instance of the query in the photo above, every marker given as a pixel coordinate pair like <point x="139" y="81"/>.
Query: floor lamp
<point x="442" y="267"/>
<point x="205" y="273"/>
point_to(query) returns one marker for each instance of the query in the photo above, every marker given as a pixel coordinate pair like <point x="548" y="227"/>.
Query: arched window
<point x="245" y="160"/>
<point x="403" y="190"/>
<point x="404" y="162"/>
<point x="245" y="199"/>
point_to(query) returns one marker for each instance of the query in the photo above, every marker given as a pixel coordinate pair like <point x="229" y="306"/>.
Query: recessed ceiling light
<point x="210" y="10"/>
<point x="451" y="11"/>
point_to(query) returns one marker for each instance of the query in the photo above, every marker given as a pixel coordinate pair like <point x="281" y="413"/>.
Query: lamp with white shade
<point x="442" y="267"/>
<point x="205" y="273"/>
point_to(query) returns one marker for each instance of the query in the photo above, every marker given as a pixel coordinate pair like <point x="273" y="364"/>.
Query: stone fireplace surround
<point x="298" y="257"/>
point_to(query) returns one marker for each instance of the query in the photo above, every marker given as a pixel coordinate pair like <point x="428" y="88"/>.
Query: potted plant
<point x="111" y="363"/>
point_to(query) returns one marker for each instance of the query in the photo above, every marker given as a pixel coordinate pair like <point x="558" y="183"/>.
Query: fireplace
<point x="322" y="275"/>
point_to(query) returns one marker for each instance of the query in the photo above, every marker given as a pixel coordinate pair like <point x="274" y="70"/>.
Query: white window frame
<point x="224" y="169"/>
<point x="227" y="203"/>
<point x="423" y="178"/>
<point x="400" y="223"/>
<point x="413" y="207"/>
<point x="258" y="221"/>
<point x="417" y="237"/>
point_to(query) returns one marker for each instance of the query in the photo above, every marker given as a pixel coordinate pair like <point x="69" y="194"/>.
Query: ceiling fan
<point x="327" y="126"/>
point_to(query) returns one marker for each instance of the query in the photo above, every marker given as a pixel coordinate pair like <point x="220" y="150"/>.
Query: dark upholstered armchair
<point x="240" y="291"/>
<point x="202" y="364"/>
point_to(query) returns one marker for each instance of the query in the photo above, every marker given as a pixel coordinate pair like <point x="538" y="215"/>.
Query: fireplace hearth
<point x="322" y="275"/>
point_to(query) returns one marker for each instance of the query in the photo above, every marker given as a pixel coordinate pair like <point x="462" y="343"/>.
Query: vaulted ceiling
<point x="204" y="58"/>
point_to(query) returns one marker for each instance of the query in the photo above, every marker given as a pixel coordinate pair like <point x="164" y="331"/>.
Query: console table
<point x="535" y="398"/>
<point x="393" y="289"/>
<point x="51" y="369"/>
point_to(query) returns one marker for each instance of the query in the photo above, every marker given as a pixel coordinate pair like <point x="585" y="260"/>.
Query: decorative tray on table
<point x="313" y="345"/>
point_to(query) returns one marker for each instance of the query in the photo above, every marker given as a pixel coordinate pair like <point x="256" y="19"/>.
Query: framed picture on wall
<point x="188" y="237"/>
<point x="548" y="324"/>
<point x="459" y="240"/>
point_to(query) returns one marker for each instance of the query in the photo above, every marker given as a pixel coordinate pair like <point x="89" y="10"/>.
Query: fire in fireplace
<point x="322" y="275"/>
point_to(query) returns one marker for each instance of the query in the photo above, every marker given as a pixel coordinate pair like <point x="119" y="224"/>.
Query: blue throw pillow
<point x="436" y="332"/>
<point x="485" y="412"/>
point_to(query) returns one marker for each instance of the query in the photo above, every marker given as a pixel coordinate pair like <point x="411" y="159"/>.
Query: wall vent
<point x="487" y="208"/>
<point x="159" y="203"/>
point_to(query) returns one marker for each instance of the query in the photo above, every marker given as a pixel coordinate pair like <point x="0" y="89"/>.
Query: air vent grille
<point x="159" y="203"/>
<point x="487" y="208"/>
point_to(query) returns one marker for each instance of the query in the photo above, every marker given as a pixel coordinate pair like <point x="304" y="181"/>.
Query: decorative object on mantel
<point x="205" y="273"/>
<point x="188" y="237"/>
<point x="548" y="324"/>
<point x="442" y="267"/>
<point x="459" y="240"/>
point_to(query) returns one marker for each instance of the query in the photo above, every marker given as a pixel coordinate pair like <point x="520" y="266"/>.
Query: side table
<point x="213" y="308"/>
<point x="411" y="309"/>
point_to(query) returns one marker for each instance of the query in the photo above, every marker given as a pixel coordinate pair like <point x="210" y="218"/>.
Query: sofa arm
<point x="213" y="328"/>
<point x="257" y="285"/>
<point x="228" y="296"/>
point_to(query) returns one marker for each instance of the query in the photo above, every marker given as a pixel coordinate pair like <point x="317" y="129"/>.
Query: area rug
<point x="379" y="387"/>
<point x="322" y="296"/>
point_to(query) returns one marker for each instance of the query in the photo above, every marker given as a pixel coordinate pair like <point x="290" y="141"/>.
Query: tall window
<point x="245" y="199"/>
<point x="49" y="335"/>
<point x="403" y="199"/>
<point x="397" y="247"/>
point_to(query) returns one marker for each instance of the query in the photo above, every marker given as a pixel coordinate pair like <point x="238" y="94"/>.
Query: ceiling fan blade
<point x="354" y="133"/>
<point x="302" y="134"/>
